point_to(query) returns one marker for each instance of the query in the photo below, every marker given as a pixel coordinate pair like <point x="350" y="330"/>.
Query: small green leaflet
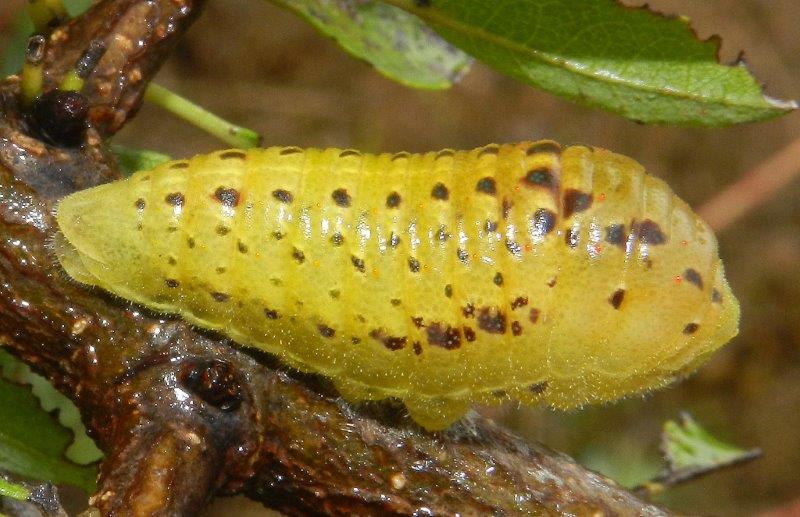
<point x="132" y="160"/>
<point x="690" y="452"/>
<point x="630" y="61"/>
<point x="688" y="447"/>
<point x="396" y="43"/>
<point x="32" y="442"/>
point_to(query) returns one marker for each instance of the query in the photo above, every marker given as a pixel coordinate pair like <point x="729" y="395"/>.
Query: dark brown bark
<point x="183" y="415"/>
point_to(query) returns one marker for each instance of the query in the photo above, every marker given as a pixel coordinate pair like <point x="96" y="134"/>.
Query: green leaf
<point x="132" y="160"/>
<point x="688" y="447"/>
<point x="396" y="43"/>
<point x="82" y="450"/>
<point x="630" y="61"/>
<point x="11" y="60"/>
<point x="32" y="442"/>
<point x="691" y="452"/>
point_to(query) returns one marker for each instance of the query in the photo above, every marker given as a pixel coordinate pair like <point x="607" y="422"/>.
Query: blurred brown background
<point x="264" y="68"/>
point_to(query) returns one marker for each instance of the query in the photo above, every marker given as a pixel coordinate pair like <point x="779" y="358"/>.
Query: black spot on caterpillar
<point x="616" y="299"/>
<point x="694" y="277"/>
<point x="405" y="275"/>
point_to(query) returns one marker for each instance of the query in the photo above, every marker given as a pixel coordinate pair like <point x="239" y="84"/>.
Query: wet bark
<point x="183" y="415"/>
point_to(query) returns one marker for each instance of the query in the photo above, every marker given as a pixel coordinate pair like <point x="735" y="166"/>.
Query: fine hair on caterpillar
<point x="529" y="271"/>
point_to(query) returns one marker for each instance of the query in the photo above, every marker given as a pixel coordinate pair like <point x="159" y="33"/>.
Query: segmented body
<point x="526" y="271"/>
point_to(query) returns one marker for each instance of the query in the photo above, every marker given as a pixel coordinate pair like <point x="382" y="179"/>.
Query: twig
<point x="754" y="188"/>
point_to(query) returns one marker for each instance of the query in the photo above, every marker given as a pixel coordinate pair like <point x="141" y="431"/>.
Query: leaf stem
<point x="32" y="74"/>
<point x="44" y="12"/>
<point x="232" y="134"/>
<point x="71" y="82"/>
<point x="14" y="491"/>
<point x="58" y="8"/>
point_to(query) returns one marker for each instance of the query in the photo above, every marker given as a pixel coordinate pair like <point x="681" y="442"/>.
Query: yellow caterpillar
<point x="526" y="271"/>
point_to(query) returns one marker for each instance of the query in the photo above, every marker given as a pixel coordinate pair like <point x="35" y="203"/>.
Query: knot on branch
<point x="213" y="381"/>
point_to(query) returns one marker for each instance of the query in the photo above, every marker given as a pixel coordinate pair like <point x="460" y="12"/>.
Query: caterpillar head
<point x="85" y="224"/>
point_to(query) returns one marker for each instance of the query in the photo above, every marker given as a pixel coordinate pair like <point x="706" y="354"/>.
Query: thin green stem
<point x="32" y="74"/>
<point x="232" y="134"/>
<point x="32" y="80"/>
<point x="40" y="14"/>
<point x="14" y="491"/>
<point x="58" y="8"/>
<point x="71" y="82"/>
<point x="44" y="12"/>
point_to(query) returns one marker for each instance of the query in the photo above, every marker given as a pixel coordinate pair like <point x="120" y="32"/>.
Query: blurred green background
<point x="262" y="67"/>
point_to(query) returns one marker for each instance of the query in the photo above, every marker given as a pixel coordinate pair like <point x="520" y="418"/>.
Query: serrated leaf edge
<point x="544" y="57"/>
